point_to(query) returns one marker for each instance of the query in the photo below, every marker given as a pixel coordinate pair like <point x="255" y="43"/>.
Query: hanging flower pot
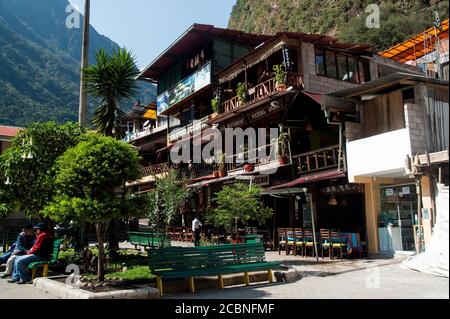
<point x="249" y="168"/>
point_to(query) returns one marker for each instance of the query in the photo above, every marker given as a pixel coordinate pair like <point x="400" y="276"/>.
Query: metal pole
<point x="82" y="111"/>
<point x="313" y="225"/>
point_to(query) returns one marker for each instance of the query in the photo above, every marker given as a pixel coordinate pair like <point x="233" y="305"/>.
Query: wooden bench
<point x="190" y="262"/>
<point x="146" y="240"/>
<point x="33" y="267"/>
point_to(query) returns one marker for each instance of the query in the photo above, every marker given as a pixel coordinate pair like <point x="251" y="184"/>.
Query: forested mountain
<point x="40" y="60"/>
<point x="345" y="19"/>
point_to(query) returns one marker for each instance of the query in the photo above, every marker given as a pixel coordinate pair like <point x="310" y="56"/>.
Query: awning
<point x="253" y="62"/>
<point x="417" y="46"/>
<point x="311" y="179"/>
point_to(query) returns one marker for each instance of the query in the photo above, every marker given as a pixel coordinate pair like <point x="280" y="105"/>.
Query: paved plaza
<point x="380" y="278"/>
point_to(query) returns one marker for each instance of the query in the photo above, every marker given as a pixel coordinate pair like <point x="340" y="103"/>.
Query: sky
<point x="148" y="27"/>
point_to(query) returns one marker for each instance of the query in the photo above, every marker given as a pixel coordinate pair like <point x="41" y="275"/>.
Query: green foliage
<point x="283" y="143"/>
<point x="216" y="105"/>
<point x="138" y="273"/>
<point x="28" y="164"/>
<point x="166" y="201"/>
<point x="280" y="74"/>
<point x="89" y="178"/>
<point x="238" y="201"/>
<point x="112" y="80"/>
<point x="344" y="19"/>
<point x="241" y="92"/>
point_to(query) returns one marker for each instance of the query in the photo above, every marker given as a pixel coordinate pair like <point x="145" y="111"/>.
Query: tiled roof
<point x="9" y="131"/>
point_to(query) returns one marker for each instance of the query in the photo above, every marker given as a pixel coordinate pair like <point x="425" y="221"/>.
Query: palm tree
<point x="111" y="80"/>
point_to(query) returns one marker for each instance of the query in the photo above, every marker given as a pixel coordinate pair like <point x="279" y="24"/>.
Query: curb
<point x="63" y="291"/>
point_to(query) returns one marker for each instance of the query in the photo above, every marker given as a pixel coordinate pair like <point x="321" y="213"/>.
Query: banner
<point x="185" y="88"/>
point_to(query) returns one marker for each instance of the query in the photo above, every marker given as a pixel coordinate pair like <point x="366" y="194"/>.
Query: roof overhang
<point x="417" y="46"/>
<point x="384" y="85"/>
<point x="192" y="40"/>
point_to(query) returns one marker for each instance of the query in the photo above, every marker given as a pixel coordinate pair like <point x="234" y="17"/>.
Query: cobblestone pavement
<point x="349" y="279"/>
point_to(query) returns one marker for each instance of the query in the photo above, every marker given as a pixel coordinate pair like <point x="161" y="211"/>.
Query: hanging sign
<point x="287" y="58"/>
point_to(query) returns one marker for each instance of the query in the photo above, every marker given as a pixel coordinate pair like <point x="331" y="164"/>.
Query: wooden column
<point x="373" y="207"/>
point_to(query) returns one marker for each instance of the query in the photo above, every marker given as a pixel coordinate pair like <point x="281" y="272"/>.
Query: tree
<point x="239" y="202"/>
<point x="165" y="202"/>
<point x="89" y="185"/>
<point x="27" y="166"/>
<point x="111" y="80"/>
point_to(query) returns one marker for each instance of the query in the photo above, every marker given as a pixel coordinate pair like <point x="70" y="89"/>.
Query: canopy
<point x="417" y="46"/>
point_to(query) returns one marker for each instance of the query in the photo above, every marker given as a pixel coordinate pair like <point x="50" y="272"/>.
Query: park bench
<point x="190" y="262"/>
<point x="146" y="240"/>
<point x="33" y="267"/>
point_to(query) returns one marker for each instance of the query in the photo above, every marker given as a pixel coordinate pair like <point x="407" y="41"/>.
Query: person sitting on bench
<point x="41" y="250"/>
<point x="23" y="243"/>
<point x="5" y="256"/>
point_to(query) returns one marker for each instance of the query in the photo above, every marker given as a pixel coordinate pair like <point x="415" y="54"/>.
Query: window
<point x="343" y="73"/>
<point x="330" y="62"/>
<point x="320" y="62"/>
<point x="341" y="66"/>
<point x="352" y="70"/>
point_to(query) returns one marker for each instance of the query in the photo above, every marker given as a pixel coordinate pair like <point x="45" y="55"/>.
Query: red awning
<point x="311" y="179"/>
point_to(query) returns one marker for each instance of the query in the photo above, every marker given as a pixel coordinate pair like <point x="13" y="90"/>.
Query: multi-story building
<point x="226" y="79"/>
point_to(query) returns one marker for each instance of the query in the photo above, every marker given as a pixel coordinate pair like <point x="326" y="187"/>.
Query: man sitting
<point x="41" y="250"/>
<point x="23" y="243"/>
<point x="5" y="256"/>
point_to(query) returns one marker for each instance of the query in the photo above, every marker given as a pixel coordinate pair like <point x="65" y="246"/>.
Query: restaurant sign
<point x="185" y="88"/>
<point x="271" y="108"/>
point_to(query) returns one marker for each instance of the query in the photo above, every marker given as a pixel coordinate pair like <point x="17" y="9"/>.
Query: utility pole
<point x="82" y="115"/>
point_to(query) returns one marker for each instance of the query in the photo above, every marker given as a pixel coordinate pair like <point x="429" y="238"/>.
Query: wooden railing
<point x="154" y="170"/>
<point x="321" y="159"/>
<point x="261" y="91"/>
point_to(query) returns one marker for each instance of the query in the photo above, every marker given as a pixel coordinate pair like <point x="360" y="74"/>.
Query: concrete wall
<point x="415" y="124"/>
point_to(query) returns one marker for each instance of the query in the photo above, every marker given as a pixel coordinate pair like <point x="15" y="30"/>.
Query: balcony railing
<point x="134" y="136"/>
<point x="192" y="128"/>
<point x="262" y="91"/>
<point x="321" y="159"/>
<point x="154" y="170"/>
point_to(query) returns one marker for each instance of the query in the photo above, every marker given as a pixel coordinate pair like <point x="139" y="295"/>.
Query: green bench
<point x="190" y="262"/>
<point x="146" y="240"/>
<point x="33" y="267"/>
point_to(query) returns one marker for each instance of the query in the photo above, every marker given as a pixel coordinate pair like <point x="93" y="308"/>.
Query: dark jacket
<point x="24" y="242"/>
<point x="43" y="247"/>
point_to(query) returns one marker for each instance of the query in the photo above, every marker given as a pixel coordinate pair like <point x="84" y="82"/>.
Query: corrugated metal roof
<point x="384" y="83"/>
<point x="414" y="47"/>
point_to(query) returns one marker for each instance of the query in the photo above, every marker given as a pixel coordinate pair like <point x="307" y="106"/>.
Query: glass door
<point x="399" y="215"/>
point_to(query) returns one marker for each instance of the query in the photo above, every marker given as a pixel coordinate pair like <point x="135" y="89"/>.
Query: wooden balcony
<point x="154" y="170"/>
<point x="321" y="159"/>
<point x="261" y="91"/>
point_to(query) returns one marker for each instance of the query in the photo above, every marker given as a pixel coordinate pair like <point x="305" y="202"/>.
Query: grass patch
<point x="134" y="274"/>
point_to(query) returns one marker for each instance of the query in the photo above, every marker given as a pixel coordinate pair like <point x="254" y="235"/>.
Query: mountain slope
<point x="40" y="61"/>
<point x="342" y="18"/>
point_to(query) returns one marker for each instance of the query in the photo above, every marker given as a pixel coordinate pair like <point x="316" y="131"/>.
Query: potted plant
<point x="248" y="167"/>
<point x="241" y="92"/>
<point x="222" y="164"/>
<point x="282" y="147"/>
<point x="280" y="77"/>
<point x="216" y="106"/>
